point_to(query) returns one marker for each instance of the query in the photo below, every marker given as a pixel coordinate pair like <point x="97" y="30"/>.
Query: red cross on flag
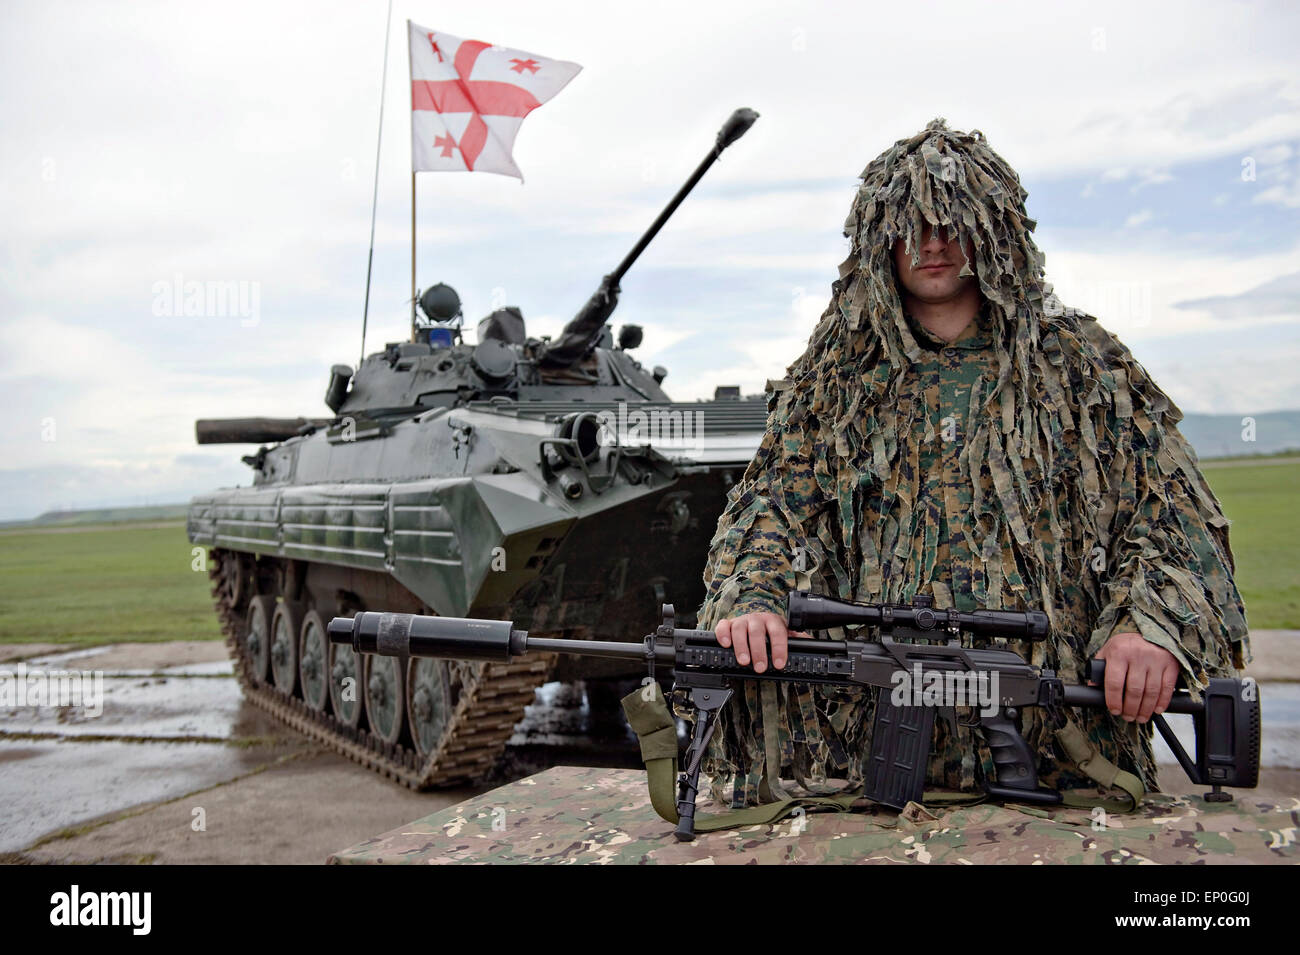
<point x="468" y="100"/>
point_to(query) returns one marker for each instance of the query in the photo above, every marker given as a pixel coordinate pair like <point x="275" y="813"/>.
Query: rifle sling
<point x="1085" y="755"/>
<point x="769" y="787"/>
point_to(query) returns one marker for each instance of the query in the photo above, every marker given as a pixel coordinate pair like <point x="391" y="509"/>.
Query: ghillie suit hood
<point x="1087" y="501"/>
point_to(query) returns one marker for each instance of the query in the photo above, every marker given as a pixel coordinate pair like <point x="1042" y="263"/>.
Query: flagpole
<point x="374" y="199"/>
<point x="411" y="84"/>
<point x="412" y="255"/>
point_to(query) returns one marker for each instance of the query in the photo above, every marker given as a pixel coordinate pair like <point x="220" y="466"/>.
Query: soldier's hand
<point x="749" y="635"/>
<point x="1140" y="676"/>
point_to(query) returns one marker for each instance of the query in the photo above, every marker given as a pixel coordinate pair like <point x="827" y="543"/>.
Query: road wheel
<point x="431" y="693"/>
<point x="242" y="581"/>
<point x="385" y="697"/>
<point x="285" y="626"/>
<point x="313" y="662"/>
<point x="257" y="637"/>
<point x="345" y="684"/>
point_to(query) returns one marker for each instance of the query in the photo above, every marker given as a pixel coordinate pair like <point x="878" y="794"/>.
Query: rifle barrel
<point x="596" y="648"/>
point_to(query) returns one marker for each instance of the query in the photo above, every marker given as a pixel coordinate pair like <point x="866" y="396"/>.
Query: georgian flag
<point x="468" y="100"/>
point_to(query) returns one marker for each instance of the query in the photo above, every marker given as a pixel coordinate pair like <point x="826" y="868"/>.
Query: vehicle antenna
<point x="374" y="201"/>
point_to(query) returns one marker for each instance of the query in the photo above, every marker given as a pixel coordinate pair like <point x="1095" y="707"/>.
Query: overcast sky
<point x="146" y="146"/>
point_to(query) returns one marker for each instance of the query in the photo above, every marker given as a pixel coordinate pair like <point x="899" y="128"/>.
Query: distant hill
<point x="104" y="515"/>
<point x="1220" y="435"/>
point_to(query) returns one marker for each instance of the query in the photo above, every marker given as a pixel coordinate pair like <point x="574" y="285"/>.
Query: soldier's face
<point x="935" y="279"/>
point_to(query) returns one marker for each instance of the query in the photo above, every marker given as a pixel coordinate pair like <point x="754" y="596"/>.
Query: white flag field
<point x="468" y="100"/>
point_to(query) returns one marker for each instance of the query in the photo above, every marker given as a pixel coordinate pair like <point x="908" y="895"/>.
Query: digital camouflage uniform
<point x="1030" y="464"/>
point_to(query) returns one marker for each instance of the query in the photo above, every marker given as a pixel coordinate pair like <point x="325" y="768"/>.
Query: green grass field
<point x="1263" y="502"/>
<point x="90" y="585"/>
<point x="102" y="584"/>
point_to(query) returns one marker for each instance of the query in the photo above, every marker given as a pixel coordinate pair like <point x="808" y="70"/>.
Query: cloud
<point x="1142" y="293"/>
<point x="1275" y="154"/>
<point x="1231" y="118"/>
<point x="1277" y="297"/>
<point x="1247" y="374"/>
<point x="1287" y="195"/>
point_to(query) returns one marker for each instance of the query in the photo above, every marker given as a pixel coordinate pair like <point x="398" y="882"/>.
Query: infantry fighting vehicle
<point x="551" y="482"/>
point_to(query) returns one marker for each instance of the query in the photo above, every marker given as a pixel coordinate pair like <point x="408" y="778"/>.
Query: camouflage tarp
<point x="570" y="815"/>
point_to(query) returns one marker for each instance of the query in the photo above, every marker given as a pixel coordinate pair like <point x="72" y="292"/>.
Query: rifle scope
<point x="808" y="611"/>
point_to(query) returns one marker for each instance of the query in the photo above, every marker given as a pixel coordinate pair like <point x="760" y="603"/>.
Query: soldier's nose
<point x="934" y="238"/>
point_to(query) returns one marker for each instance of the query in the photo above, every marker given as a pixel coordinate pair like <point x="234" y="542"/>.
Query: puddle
<point x="161" y="707"/>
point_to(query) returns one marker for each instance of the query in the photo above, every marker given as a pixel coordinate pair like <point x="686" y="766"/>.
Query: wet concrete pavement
<point x="50" y="785"/>
<point x="180" y="769"/>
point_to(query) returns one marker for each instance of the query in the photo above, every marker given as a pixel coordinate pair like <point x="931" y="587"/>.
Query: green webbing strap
<point x="769" y="787"/>
<point x="1100" y="770"/>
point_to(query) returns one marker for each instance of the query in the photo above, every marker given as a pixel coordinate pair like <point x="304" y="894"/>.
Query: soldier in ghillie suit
<point x="952" y="430"/>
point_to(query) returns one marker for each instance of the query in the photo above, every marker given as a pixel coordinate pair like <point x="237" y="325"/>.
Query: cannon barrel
<point x="252" y="430"/>
<point x="583" y="330"/>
